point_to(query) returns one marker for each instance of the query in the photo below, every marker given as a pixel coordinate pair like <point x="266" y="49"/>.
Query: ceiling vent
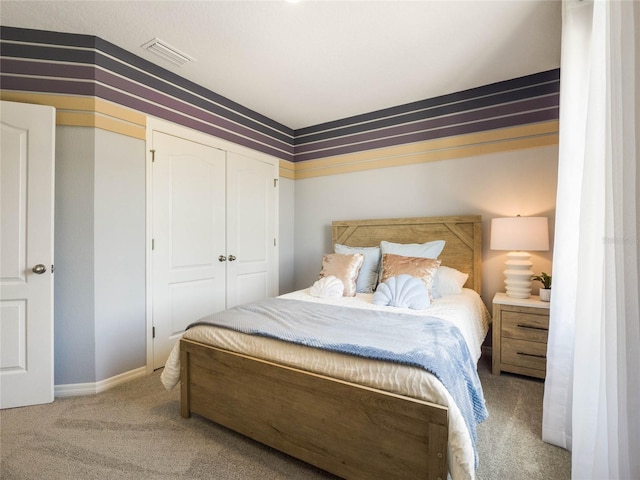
<point x="166" y="51"/>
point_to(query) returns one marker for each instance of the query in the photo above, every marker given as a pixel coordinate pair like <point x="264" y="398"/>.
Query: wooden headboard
<point x="462" y="234"/>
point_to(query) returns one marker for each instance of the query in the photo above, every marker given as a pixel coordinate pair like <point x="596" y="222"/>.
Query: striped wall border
<point x="96" y="84"/>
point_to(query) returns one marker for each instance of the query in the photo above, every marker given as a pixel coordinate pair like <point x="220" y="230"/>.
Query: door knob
<point x="39" y="269"/>
<point x="232" y="258"/>
<point x="222" y="258"/>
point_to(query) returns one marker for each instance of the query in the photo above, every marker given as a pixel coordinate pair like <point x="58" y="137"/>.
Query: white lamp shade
<point x="520" y="233"/>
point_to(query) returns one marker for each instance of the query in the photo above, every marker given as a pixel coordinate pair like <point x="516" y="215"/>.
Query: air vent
<point x="166" y="51"/>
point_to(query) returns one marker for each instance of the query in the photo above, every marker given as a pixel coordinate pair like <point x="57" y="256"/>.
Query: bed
<point x="336" y="417"/>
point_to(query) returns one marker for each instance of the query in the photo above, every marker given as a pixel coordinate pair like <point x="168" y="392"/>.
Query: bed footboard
<point x="349" y="430"/>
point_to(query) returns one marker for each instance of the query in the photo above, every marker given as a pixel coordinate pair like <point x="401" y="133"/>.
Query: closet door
<point x="251" y="230"/>
<point x="188" y="219"/>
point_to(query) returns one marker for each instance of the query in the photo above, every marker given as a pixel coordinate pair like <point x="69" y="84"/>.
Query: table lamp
<point x="519" y="235"/>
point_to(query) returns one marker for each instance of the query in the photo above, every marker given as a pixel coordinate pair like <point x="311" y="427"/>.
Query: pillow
<point x="368" y="276"/>
<point x="424" y="250"/>
<point x="327" y="287"/>
<point x="448" y="281"/>
<point x="423" y="268"/>
<point x="343" y="267"/>
<point x="403" y="291"/>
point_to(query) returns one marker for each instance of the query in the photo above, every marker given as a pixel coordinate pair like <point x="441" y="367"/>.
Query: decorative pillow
<point x="345" y="268"/>
<point x="327" y="287"/>
<point x="423" y="268"/>
<point x="448" y="281"/>
<point x="403" y="291"/>
<point x="424" y="250"/>
<point x="368" y="276"/>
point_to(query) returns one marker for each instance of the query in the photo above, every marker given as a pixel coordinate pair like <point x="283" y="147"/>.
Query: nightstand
<point x="519" y="340"/>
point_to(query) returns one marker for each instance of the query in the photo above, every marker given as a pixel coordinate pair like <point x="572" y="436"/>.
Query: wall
<point x="493" y="185"/>
<point x="119" y="253"/>
<point x="74" y="290"/>
<point x="286" y="269"/>
<point x="99" y="319"/>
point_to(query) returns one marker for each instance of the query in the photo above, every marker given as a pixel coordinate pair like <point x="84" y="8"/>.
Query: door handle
<point x="222" y="258"/>
<point x="232" y="258"/>
<point x="39" y="269"/>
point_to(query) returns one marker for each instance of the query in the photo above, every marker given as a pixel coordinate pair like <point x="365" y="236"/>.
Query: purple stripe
<point x="493" y="124"/>
<point x="170" y="102"/>
<point x="75" y="71"/>
<point x="46" y="85"/>
<point x="473" y="116"/>
<point x="160" y="112"/>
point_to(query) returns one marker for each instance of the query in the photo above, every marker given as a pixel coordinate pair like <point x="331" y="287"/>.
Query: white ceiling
<point x="311" y="62"/>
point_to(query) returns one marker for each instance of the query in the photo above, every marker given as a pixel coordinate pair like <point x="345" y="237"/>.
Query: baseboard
<point x="75" y="389"/>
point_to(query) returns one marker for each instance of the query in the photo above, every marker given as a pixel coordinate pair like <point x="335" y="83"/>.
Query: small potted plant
<point x="545" y="291"/>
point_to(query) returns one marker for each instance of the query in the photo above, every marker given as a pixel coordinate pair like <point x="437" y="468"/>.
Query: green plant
<point x="544" y="279"/>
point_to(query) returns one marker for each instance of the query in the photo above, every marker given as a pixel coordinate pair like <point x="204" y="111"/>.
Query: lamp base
<point x="518" y="275"/>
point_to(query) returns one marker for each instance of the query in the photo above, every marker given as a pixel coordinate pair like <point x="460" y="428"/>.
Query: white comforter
<point x="466" y="311"/>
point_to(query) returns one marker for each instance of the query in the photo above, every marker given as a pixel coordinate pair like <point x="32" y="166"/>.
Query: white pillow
<point x="423" y="250"/>
<point x="448" y="281"/>
<point x="403" y="291"/>
<point x="368" y="276"/>
<point x="327" y="287"/>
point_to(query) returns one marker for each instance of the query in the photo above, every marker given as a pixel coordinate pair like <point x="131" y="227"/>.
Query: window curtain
<point x="592" y="389"/>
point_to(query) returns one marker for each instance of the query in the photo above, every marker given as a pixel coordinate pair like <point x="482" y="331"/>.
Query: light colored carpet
<point x="135" y="431"/>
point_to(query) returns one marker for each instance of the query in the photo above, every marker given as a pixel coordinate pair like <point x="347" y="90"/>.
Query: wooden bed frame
<point x="350" y="430"/>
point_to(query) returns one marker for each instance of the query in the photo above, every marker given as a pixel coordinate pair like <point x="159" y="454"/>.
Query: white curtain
<point x="592" y="390"/>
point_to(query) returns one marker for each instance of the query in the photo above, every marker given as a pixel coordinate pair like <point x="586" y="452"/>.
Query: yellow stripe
<point x="89" y="119"/>
<point x="87" y="112"/>
<point x="287" y="169"/>
<point x="58" y="101"/>
<point x="412" y="154"/>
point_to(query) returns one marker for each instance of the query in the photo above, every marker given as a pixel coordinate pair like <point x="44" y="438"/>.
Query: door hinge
<point x="153" y="155"/>
<point x="153" y="332"/>
<point x="153" y="244"/>
<point x="274" y="242"/>
<point x="275" y="182"/>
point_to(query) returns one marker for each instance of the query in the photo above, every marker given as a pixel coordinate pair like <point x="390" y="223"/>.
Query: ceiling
<point x="310" y="62"/>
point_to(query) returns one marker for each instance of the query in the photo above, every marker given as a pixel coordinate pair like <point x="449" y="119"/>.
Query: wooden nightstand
<point x="519" y="340"/>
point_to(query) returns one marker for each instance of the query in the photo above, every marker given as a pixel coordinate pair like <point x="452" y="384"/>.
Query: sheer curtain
<point x="592" y="390"/>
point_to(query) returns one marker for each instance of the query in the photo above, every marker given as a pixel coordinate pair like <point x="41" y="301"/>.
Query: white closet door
<point x="188" y="237"/>
<point x="251" y="212"/>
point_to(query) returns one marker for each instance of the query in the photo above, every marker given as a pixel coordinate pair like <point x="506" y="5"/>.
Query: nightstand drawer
<point x="525" y="326"/>
<point x="526" y="354"/>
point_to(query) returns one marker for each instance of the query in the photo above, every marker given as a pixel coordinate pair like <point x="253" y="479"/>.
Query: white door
<point x="251" y="248"/>
<point x="188" y="203"/>
<point x="26" y="258"/>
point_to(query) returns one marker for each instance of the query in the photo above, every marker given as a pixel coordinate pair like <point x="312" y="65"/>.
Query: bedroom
<point x="524" y="179"/>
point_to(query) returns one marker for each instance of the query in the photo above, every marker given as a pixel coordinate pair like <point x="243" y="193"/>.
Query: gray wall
<point x="99" y="319"/>
<point x="119" y="241"/>
<point x="493" y="185"/>
<point x="286" y="227"/>
<point x="74" y="299"/>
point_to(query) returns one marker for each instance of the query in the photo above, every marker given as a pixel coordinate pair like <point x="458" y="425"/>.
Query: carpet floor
<point x="135" y="431"/>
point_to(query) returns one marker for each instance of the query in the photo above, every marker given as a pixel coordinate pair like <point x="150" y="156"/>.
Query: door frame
<point x="156" y="124"/>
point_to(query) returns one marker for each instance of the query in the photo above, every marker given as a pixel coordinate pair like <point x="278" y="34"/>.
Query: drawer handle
<point x="532" y="355"/>
<point x="532" y="327"/>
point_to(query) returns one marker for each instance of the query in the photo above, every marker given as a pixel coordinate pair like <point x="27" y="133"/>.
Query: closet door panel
<point x="251" y="203"/>
<point x="188" y="236"/>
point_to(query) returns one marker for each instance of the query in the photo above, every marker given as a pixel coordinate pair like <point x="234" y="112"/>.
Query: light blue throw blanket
<point x="430" y="343"/>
